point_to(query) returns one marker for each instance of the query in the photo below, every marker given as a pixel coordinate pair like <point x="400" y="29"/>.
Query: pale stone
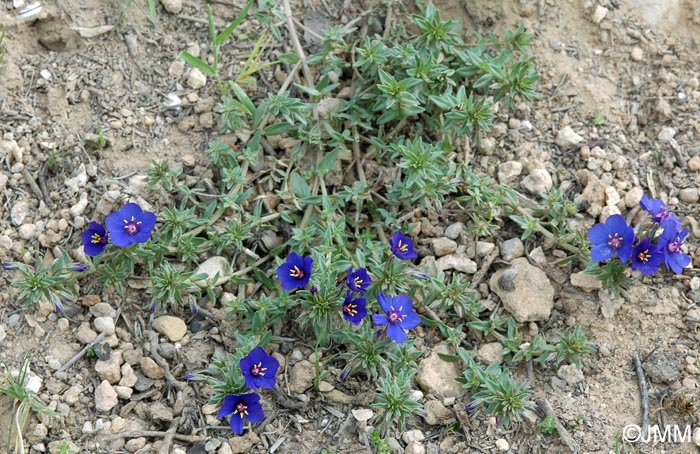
<point x="438" y="376"/>
<point x="106" y="397"/>
<point x="490" y="353"/>
<point x="196" y="79"/>
<point x="525" y="291"/>
<point x="362" y="414"/>
<point x="173" y="328"/>
<point x="567" y="138"/>
<point x="212" y="267"/>
<point x="586" y="282"/>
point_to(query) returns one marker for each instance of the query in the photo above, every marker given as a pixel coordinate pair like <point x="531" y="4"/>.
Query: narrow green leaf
<point x="210" y="20"/>
<point x="223" y="36"/>
<point x="289" y="59"/>
<point x="299" y="186"/>
<point x="328" y="161"/>
<point x="197" y="63"/>
<point x="278" y="128"/>
<point x="243" y="97"/>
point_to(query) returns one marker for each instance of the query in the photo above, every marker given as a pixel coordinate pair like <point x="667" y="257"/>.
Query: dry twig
<point x="645" y="395"/>
<point x="566" y="438"/>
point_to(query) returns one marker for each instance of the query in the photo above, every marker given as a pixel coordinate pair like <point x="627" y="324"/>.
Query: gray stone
<point x="438" y="376"/>
<point x="452" y="231"/>
<point x="570" y="374"/>
<point x="443" y="246"/>
<point x="511" y="249"/>
<point x="609" y="304"/>
<point x="484" y="248"/>
<point x="362" y="414"/>
<point x="415" y="447"/>
<point x="412" y="435"/>
<point x="101" y="310"/>
<point x="567" y="138"/>
<point x="106" y="397"/>
<point x="525" y="291"/>
<point x="662" y="367"/>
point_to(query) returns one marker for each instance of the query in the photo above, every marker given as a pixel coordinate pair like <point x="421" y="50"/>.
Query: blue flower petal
<point x="602" y="252"/>
<point x="403" y="302"/>
<point x="598" y="234"/>
<point x="385" y="302"/>
<point x="379" y="319"/>
<point x="616" y="224"/>
<point x="396" y="333"/>
<point x="236" y="424"/>
<point x="228" y="406"/>
<point x="255" y="413"/>
<point x="411" y="321"/>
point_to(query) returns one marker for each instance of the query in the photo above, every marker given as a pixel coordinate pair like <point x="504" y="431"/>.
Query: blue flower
<point x="9" y="266"/>
<point x="259" y="369"/>
<point x="295" y="272"/>
<point x="646" y="257"/>
<point x="94" y="239"/>
<point x="613" y="236"/>
<point x="402" y="246"/>
<point x="354" y="310"/>
<point x="399" y="316"/>
<point x="671" y="244"/>
<point x="130" y="225"/>
<point x="241" y="406"/>
<point x="77" y="267"/>
<point x="358" y="280"/>
<point x="657" y="209"/>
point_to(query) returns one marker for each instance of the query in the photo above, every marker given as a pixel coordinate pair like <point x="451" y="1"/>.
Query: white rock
<point x="586" y="282"/>
<point x="567" y="138"/>
<point x="508" y="171"/>
<point x="689" y="195"/>
<point x="79" y="180"/>
<point x="599" y="14"/>
<point x="571" y="374"/>
<point x="415" y="447"/>
<point x="443" y="246"/>
<point x="28" y="231"/>
<point x="666" y="134"/>
<point x="362" y="414"/>
<point x="211" y="267"/>
<point x="633" y="197"/>
<point x="452" y="231"/>
<point x="104" y="325"/>
<point x="19" y="212"/>
<point x="78" y="209"/>
<point x="502" y="445"/>
<point x="612" y="197"/>
<point x="438" y="376"/>
<point x="637" y="54"/>
<point x="177" y="68"/>
<point x="412" y="435"/>
<point x="173" y="328"/>
<point x="608" y="211"/>
<point x="106" y="397"/>
<point x="539" y="181"/>
<point x="458" y="262"/>
<point x="45" y="74"/>
<point x="196" y="79"/>
<point x="172" y="6"/>
<point x="525" y="291"/>
<point x="490" y="353"/>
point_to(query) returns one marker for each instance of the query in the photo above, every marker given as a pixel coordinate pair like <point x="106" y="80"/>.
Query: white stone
<point x="567" y="138"/>
<point x="539" y="181"/>
<point x="502" y="445"/>
<point x="508" y="171"/>
<point x="19" y="212"/>
<point x="525" y="291"/>
<point x="106" y="397"/>
<point x="172" y="6"/>
<point x="211" y="267"/>
<point x="104" y="325"/>
<point x="666" y="134"/>
<point x="571" y="374"/>
<point x="599" y="14"/>
<point x="196" y="79"/>
<point x="362" y="414"/>
<point x="173" y="328"/>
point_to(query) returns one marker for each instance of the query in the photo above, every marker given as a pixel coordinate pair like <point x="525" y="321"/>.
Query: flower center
<point x="395" y="316"/>
<point x="132" y="226"/>
<point x="358" y="282"/>
<point x="350" y="309"/>
<point x="643" y="256"/>
<point x="674" y="246"/>
<point x="401" y="246"/>
<point x="296" y="272"/>
<point x="241" y="409"/>
<point x="257" y="370"/>
<point x="96" y="238"/>
<point x="615" y="241"/>
<point x="662" y="215"/>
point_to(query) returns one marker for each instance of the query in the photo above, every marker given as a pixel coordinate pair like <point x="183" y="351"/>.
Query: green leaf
<point x="299" y="186"/>
<point x="210" y="20"/>
<point x="328" y="161"/>
<point x="223" y="36"/>
<point x="197" y="63"/>
<point x="243" y="97"/>
<point x="289" y="59"/>
<point x="278" y="128"/>
<point x="448" y="358"/>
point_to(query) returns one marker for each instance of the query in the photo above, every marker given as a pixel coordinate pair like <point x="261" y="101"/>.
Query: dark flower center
<point x="662" y="215"/>
<point x="241" y="409"/>
<point x="643" y="256"/>
<point x="615" y="241"/>
<point x="401" y="246"/>
<point x="350" y="309"/>
<point x="395" y="316"/>
<point x="257" y="370"/>
<point x="132" y="226"/>
<point x="96" y="238"/>
<point x="296" y="272"/>
<point x="674" y="246"/>
<point x="358" y="282"/>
